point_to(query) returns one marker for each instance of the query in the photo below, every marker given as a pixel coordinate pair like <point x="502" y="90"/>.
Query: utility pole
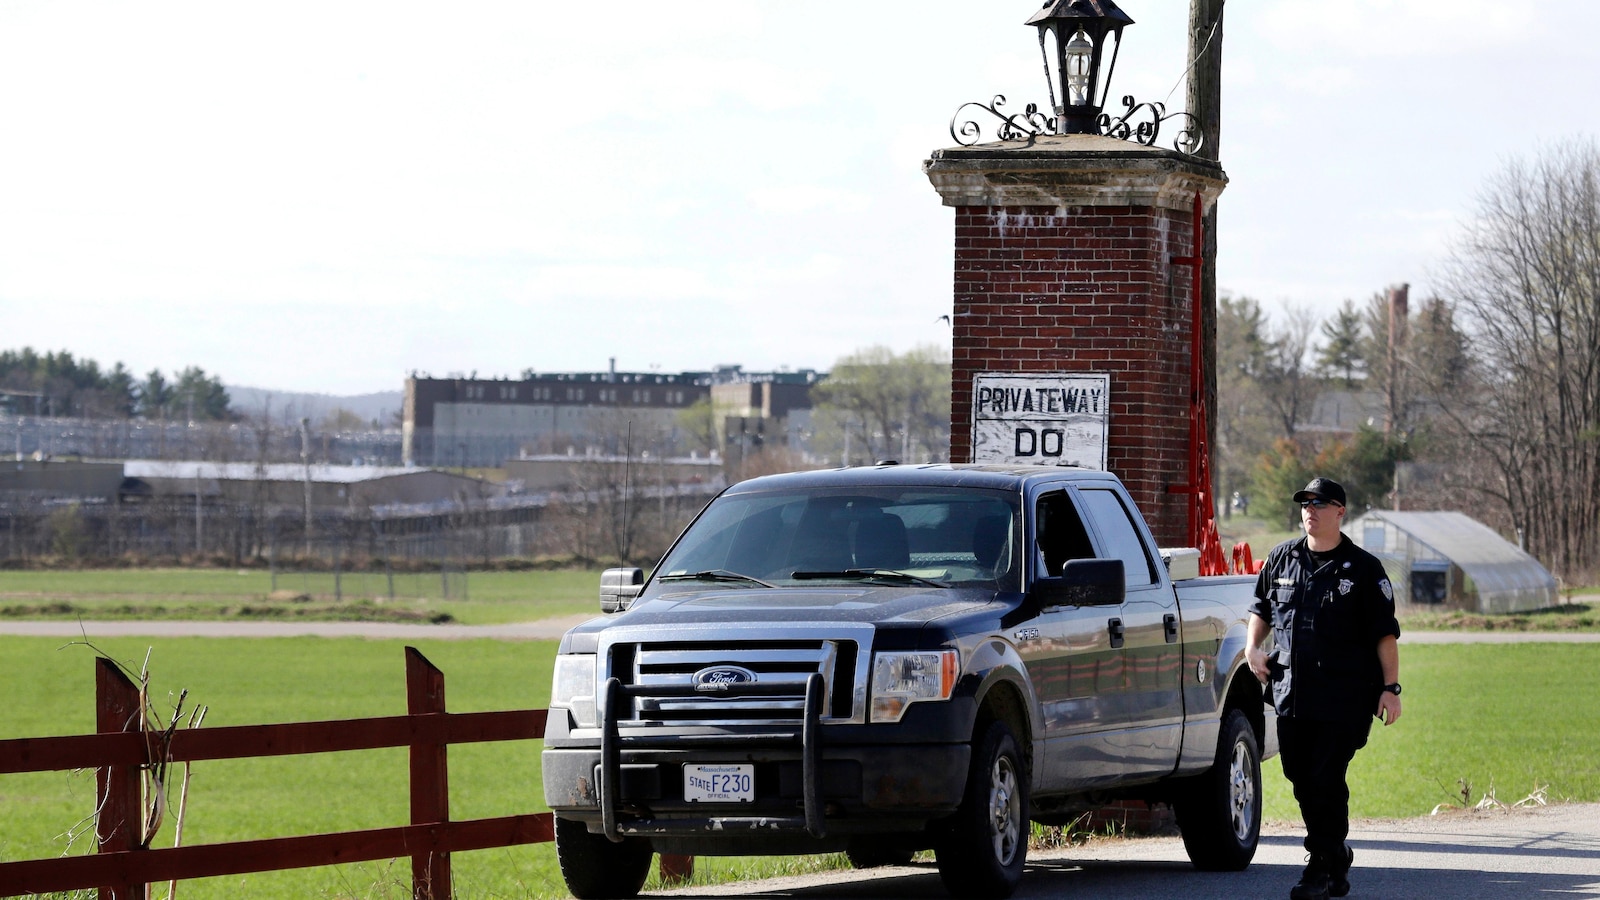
<point x="199" y="522"/>
<point x="305" y="462"/>
<point x="1205" y="104"/>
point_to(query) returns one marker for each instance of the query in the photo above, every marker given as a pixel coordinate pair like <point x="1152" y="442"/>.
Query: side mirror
<point x="619" y="587"/>
<point x="1083" y="582"/>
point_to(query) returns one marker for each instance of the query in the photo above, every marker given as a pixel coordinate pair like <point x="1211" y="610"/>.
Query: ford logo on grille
<point x="718" y="678"/>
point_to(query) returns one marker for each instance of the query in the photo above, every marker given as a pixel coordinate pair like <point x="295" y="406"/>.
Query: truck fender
<point x="1230" y="658"/>
<point x="1232" y="667"/>
<point x="995" y="662"/>
<point x="1202" y="723"/>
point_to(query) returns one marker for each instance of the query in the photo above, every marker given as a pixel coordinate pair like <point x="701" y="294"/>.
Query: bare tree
<point x="1287" y="384"/>
<point x="1526" y="275"/>
<point x="888" y="406"/>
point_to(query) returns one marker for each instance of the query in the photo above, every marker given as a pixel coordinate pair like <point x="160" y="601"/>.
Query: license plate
<point x="733" y="783"/>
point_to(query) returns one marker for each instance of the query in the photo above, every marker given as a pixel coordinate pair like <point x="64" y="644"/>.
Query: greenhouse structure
<point x="1449" y="560"/>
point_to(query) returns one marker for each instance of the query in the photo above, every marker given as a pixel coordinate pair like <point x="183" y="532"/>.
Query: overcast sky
<point x="325" y="196"/>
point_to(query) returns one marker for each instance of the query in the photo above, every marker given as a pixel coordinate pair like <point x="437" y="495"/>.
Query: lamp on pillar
<point x="1078" y="72"/>
<point x="1068" y="227"/>
<point x="1073" y="35"/>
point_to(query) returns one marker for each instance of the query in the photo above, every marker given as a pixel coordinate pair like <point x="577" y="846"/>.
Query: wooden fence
<point x="122" y="748"/>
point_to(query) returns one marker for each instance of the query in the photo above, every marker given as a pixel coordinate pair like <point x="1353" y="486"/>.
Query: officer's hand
<point x="1388" y="708"/>
<point x="1256" y="658"/>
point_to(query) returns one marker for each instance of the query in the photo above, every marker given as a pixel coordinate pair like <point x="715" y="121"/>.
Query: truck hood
<point x="897" y="605"/>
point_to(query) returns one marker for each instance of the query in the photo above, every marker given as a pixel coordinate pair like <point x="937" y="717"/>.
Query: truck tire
<point x="1219" y="812"/>
<point x="982" y="852"/>
<point x="597" y="869"/>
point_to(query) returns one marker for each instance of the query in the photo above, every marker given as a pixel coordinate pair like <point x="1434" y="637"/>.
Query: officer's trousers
<point x="1316" y="755"/>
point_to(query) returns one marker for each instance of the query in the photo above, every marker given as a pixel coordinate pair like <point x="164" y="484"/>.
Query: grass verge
<point x="473" y="598"/>
<point x="1507" y="718"/>
<point x="1511" y="718"/>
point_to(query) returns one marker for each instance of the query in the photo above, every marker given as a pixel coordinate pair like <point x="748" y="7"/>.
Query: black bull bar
<point x="810" y="735"/>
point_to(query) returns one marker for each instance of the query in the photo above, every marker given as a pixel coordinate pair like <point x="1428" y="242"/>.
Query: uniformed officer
<point x="1335" y="664"/>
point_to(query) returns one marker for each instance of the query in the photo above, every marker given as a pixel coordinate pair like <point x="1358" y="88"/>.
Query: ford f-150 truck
<point x="888" y="659"/>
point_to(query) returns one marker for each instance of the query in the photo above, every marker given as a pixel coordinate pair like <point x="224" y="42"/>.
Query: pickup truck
<point x="888" y="659"/>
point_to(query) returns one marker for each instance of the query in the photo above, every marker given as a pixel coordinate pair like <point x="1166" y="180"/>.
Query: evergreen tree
<point x="1343" y="356"/>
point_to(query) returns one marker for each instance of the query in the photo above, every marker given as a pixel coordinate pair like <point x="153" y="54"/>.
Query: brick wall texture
<point x="1088" y="290"/>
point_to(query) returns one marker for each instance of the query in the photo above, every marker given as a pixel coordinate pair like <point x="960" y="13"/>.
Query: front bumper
<point x="804" y="785"/>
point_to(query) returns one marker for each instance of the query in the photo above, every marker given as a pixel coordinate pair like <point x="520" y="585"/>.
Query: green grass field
<point x="1514" y="718"/>
<point x="490" y="598"/>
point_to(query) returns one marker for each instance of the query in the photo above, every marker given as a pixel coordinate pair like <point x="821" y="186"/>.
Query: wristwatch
<point x="1393" y="688"/>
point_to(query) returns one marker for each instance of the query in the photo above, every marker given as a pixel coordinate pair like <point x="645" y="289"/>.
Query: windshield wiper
<point x="715" y="575"/>
<point x="864" y="574"/>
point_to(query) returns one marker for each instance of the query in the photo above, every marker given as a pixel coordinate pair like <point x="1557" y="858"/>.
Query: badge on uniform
<point x="1345" y="585"/>
<point x="1388" y="592"/>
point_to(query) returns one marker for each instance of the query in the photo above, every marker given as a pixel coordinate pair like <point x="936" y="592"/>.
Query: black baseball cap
<point x="1321" y="488"/>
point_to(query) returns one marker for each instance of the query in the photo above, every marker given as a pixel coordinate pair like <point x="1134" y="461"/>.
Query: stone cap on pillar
<point x="1072" y="170"/>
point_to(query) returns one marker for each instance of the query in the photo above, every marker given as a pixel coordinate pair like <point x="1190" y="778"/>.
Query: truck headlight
<point x="901" y="679"/>
<point x="573" y="689"/>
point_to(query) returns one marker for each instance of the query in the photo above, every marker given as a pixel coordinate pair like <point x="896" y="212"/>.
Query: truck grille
<point x="779" y="666"/>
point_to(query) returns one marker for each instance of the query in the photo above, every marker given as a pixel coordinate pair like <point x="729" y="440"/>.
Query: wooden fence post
<point x="675" y="869"/>
<point x="119" y="824"/>
<point x="430" y="778"/>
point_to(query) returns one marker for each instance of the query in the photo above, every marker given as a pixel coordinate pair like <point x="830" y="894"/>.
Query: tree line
<point x="1488" y="397"/>
<point x="60" y="385"/>
<point x="1484" y="399"/>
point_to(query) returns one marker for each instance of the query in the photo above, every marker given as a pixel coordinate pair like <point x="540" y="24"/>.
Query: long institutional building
<point x="484" y="422"/>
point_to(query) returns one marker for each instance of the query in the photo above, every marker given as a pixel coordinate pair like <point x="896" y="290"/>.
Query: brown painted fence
<point x="122" y="868"/>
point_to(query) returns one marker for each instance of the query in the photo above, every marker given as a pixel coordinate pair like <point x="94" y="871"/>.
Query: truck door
<point x="1073" y="667"/>
<point x="1146" y="707"/>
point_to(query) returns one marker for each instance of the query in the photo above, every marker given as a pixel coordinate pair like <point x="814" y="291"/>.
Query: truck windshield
<point x="942" y="535"/>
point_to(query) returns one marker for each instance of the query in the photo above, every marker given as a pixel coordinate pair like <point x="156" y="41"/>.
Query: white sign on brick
<point x="1041" y="419"/>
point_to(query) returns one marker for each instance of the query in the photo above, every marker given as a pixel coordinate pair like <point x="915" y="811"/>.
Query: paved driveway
<point x="1551" y="851"/>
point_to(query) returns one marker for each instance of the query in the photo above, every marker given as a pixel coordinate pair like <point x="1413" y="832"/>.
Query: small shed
<point x="1450" y="560"/>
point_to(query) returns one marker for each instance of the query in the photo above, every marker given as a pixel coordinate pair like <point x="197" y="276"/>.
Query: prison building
<point x="484" y="422"/>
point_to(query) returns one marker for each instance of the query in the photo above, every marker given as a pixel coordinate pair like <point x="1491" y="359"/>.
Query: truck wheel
<point x="982" y="852"/>
<point x="1219" y="812"/>
<point x="867" y="853"/>
<point x="595" y="868"/>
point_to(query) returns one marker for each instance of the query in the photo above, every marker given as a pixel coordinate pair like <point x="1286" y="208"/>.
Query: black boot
<point x="1339" y="874"/>
<point x="1314" y="881"/>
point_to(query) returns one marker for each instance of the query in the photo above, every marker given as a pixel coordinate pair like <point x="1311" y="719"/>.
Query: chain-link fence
<point x="391" y="543"/>
<point x="26" y="436"/>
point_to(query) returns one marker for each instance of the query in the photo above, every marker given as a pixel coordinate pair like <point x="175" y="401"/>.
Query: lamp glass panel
<point x="1079" y="55"/>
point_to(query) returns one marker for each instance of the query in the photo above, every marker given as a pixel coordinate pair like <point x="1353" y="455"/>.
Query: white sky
<point x="323" y="196"/>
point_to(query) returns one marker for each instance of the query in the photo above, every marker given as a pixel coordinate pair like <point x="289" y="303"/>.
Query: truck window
<point x="1060" y="533"/>
<point x="954" y="536"/>
<point x="1122" y="538"/>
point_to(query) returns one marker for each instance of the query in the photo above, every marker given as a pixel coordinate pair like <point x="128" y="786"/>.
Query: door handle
<point x="1171" y="623"/>
<point x="1117" y="633"/>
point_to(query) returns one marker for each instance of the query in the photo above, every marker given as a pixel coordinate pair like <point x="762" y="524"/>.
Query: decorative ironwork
<point x="1139" y="122"/>
<point x="1023" y="126"/>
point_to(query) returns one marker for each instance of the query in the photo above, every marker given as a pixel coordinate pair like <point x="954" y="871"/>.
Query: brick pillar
<point x="1063" y="250"/>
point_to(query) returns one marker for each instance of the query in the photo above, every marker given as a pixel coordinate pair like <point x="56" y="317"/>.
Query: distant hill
<point x="288" y="405"/>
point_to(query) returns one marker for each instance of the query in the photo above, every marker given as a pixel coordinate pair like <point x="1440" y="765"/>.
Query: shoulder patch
<point x="1388" y="590"/>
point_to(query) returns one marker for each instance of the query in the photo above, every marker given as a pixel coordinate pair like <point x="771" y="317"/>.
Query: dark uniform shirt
<point x="1326" y="623"/>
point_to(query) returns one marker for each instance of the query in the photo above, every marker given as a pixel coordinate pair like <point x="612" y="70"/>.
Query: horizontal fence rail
<point x="122" y="868"/>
